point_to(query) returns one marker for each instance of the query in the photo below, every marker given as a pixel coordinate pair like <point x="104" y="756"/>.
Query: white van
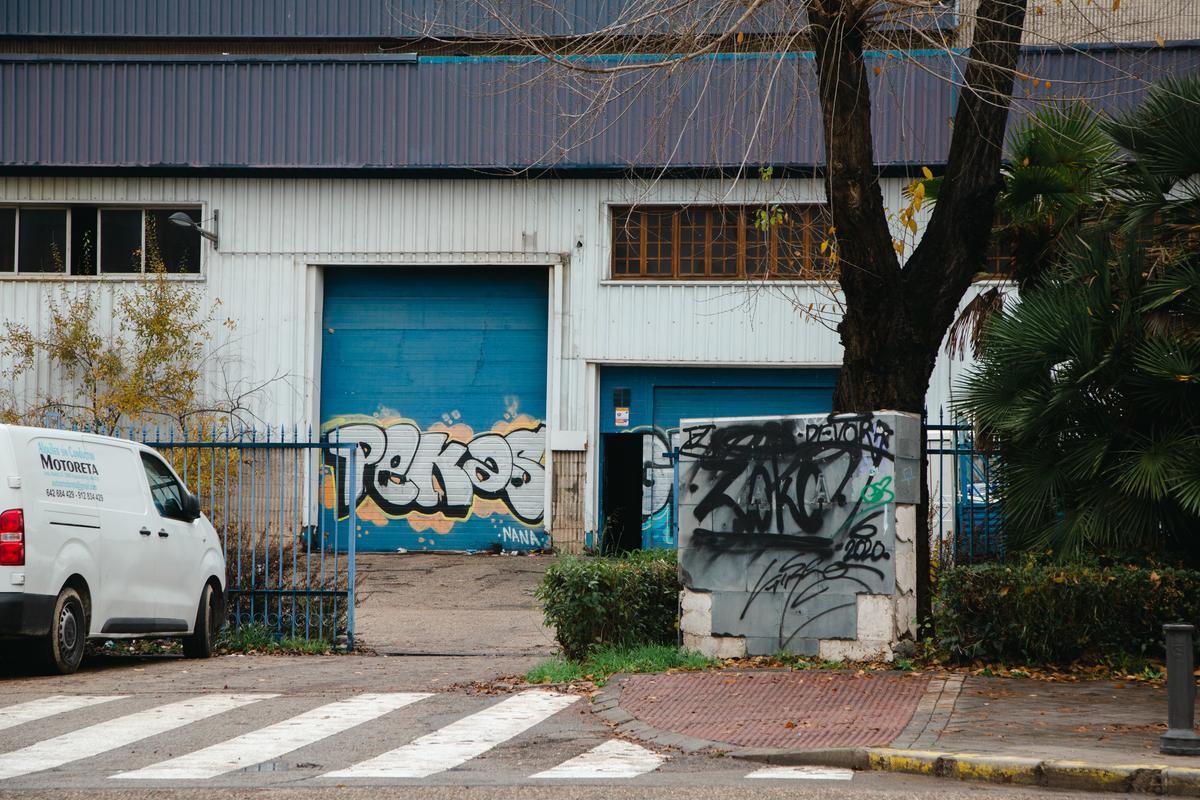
<point x="100" y="539"/>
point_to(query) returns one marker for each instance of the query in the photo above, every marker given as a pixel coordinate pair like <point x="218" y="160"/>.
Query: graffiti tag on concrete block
<point x="789" y="519"/>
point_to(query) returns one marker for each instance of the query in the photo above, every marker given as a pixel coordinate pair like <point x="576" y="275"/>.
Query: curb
<point x="1051" y="774"/>
<point x="1082" y="776"/>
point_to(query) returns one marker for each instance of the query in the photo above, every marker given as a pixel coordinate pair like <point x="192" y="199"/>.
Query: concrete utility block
<point x="770" y="645"/>
<point x="695" y="601"/>
<point x="697" y="612"/>
<point x="712" y="571"/>
<point x="906" y="523"/>
<point x="876" y="616"/>
<point x="731" y="616"/>
<point x="906" y="569"/>
<point x="812" y="584"/>
<point x="824" y="616"/>
<point x="906" y="616"/>
<point x="856" y="650"/>
<point x="716" y="646"/>
<point x="906" y="441"/>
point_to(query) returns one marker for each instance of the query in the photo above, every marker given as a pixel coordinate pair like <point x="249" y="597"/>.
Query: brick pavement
<point x="1090" y="736"/>
<point x="813" y="709"/>
<point x="777" y="708"/>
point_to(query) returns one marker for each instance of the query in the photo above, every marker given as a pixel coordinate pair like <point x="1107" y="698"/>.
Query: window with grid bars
<point x="720" y="242"/>
<point x="90" y="240"/>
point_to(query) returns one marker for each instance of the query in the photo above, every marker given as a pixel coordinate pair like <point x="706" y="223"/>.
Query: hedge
<point x="1055" y="613"/>
<point x="631" y="600"/>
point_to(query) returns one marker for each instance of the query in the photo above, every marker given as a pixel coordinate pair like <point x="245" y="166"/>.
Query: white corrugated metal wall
<point x="274" y="232"/>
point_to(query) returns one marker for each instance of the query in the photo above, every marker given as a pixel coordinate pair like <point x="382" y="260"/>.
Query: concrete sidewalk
<point x="1091" y="736"/>
<point x="448" y="604"/>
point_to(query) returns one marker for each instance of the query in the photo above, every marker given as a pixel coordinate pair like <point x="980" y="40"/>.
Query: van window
<point x="166" y="491"/>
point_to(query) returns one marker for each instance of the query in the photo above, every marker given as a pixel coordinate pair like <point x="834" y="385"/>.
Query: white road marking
<point x="462" y="740"/>
<point x="275" y="740"/>
<point x="804" y="773"/>
<point x="105" y="736"/>
<point x="613" y="759"/>
<point x="21" y="713"/>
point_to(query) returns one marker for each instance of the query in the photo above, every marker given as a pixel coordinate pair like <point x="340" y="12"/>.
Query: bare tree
<point x="895" y="311"/>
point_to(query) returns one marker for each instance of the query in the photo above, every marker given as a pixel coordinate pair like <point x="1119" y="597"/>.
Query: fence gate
<point x="965" y="505"/>
<point x="270" y="495"/>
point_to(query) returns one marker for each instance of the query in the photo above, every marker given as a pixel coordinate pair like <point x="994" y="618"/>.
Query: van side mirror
<point x="191" y="506"/>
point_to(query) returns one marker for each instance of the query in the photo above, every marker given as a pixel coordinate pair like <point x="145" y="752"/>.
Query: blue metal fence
<point x="290" y="560"/>
<point x="967" y="523"/>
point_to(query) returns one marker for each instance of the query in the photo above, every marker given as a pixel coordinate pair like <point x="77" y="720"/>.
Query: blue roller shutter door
<point x="439" y="377"/>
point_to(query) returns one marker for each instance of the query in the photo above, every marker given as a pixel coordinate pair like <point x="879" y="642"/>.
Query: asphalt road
<point x="280" y="727"/>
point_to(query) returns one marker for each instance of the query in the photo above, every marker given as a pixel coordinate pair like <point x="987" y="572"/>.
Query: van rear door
<point x="62" y="525"/>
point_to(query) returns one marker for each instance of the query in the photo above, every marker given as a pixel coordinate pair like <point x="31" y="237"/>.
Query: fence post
<point x="1180" y="738"/>
<point x="350" y="551"/>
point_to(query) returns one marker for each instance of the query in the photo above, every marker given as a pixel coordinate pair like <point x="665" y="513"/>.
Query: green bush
<point x="1056" y="613"/>
<point x="629" y="600"/>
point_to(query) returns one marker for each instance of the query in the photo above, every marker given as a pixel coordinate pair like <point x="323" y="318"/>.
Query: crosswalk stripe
<point x="21" y="713"/>
<point x="804" y="773"/>
<point x="275" y="740"/>
<point x="613" y="759"/>
<point x="105" y="736"/>
<point x="462" y="740"/>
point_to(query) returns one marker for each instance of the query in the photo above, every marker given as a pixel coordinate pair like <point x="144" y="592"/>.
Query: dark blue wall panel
<point x="389" y="113"/>
<point x="439" y="377"/>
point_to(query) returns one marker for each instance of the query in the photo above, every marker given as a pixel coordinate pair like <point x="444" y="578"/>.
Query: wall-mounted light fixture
<point x="183" y="219"/>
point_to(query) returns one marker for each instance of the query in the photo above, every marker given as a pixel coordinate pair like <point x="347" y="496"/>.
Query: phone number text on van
<point x="72" y="494"/>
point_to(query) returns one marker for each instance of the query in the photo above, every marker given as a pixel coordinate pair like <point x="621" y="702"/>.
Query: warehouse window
<point x="721" y="242"/>
<point x="83" y="240"/>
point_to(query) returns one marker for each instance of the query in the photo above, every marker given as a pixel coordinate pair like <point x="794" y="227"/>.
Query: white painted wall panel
<point x="273" y="229"/>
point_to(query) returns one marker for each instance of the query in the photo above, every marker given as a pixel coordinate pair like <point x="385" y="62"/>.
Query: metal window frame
<point x="66" y="209"/>
<point x="636" y="217"/>
<point x="100" y="209"/>
<point x="199" y="208"/>
<point x="69" y="207"/>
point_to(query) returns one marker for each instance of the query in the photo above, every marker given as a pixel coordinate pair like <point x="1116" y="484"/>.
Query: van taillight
<point x="12" y="538"/>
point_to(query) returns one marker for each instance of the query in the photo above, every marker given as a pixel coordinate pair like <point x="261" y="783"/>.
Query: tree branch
<point x="955" y="241"/>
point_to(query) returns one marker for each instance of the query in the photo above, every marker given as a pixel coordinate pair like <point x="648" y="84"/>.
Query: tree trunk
<point x="896" y="318"/>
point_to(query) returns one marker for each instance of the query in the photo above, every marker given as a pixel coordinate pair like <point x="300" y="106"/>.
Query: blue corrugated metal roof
<point x="363" y="18"/>
<point x="391" y="113"/>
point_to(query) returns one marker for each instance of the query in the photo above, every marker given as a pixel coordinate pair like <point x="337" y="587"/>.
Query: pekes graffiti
<point x="406" y="470"/>
<point x="795" y="515"/>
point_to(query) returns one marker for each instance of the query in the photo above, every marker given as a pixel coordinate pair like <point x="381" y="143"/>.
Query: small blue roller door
<point x="439" y="376"/>
<point x="659" y="397"/>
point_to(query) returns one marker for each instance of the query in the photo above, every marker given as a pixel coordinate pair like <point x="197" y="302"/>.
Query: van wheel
<point x="63" y="647"/>
<point x="208" y="625"/>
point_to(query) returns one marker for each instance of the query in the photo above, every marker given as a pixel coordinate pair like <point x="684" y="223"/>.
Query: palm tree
<point x="1088" y="386"/>
<point x="1060" y="169"/>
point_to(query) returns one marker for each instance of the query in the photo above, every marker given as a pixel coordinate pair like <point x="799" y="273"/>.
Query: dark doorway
<point x="622" y="493"/>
